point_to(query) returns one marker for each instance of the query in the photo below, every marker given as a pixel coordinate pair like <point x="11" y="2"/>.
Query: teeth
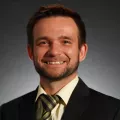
<point x="53" y="63"/>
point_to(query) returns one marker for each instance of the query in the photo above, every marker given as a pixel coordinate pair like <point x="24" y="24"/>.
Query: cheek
<point x="73" y="52"/>
<point x="39" y="53"/>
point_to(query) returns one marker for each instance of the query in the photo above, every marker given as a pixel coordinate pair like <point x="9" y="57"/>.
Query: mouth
<point x="54" y="63"/>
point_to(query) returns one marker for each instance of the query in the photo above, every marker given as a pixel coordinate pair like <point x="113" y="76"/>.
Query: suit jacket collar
<point x="78" y="102"/>
<point x="27" y="106"/>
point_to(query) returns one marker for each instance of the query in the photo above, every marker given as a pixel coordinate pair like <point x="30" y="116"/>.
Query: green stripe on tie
<point x="45" y="105"/>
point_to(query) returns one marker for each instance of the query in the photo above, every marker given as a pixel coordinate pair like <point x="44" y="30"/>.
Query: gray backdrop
<point x="100" y="70"/>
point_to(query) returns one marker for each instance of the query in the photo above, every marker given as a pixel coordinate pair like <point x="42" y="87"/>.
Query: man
<point x="56" y="45"/>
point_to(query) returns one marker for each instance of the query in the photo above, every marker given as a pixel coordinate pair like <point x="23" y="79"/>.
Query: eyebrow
<point x="64" y="37"/>
<point x="47" y="38"/>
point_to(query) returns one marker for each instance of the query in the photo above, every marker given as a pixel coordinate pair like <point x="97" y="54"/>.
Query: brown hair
<point x="56" y="10"/>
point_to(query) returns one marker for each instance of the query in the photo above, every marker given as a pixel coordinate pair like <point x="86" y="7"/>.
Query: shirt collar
<point x="67" y="90"/>
<point x="64" y="93"/>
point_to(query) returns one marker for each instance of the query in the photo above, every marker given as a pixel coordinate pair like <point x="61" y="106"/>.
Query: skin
<point x="56" y="41"/>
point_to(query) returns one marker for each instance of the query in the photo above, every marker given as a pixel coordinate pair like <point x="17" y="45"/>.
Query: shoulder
<point x="30" y="95"/>
<point x="15" y="104"/>
<point x="101" y="97"/>
<point x="95" y="96"/>
<point x="104" y="103"/>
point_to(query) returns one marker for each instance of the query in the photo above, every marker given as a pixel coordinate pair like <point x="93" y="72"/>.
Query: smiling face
<point x="55" y="53"/>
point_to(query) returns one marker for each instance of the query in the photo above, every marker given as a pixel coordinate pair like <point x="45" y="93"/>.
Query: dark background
<point x="100" y="70"/>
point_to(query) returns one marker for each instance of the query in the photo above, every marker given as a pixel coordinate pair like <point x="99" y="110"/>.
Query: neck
<point x="52" y="87"/>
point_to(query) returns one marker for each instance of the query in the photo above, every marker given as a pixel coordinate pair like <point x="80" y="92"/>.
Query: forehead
<point x="55" y="25"/>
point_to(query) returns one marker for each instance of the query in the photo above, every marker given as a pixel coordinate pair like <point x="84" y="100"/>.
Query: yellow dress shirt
<point x="65" y="94"/>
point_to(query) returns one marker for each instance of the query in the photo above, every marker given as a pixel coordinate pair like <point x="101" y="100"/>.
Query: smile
<point x="55" y="63"/>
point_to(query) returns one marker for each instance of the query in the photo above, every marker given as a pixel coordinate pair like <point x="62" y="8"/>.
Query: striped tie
<point x="45" y="105"/>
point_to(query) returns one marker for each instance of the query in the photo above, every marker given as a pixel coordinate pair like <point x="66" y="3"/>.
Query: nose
<point x="54" y="50"/>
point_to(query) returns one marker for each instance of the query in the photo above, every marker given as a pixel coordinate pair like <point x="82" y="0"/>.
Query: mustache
<point x="51" y="59"/>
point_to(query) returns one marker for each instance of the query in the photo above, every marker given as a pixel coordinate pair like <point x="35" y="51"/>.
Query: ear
<point x="83" y="52"/>
<point x="30" y="52"/>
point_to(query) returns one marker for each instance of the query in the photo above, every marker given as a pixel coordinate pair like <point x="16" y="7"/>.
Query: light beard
<point x="68" y="71"/>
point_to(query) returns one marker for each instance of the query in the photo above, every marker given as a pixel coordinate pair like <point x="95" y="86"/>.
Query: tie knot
<point x="49" y="101"/>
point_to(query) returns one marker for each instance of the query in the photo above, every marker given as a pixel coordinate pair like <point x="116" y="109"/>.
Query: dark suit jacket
<point x="84" y="104"/>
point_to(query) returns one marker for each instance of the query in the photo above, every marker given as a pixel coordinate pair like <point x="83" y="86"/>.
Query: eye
<point x="67" y="42"/>
<point x="42" y="43"/>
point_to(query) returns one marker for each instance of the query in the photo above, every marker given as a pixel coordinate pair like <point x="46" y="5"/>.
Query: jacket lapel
<point x="78" y="102"/>
<point x="27" y="106"/>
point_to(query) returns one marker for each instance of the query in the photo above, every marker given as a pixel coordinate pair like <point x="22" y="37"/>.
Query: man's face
<point x="55" y="52"/>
